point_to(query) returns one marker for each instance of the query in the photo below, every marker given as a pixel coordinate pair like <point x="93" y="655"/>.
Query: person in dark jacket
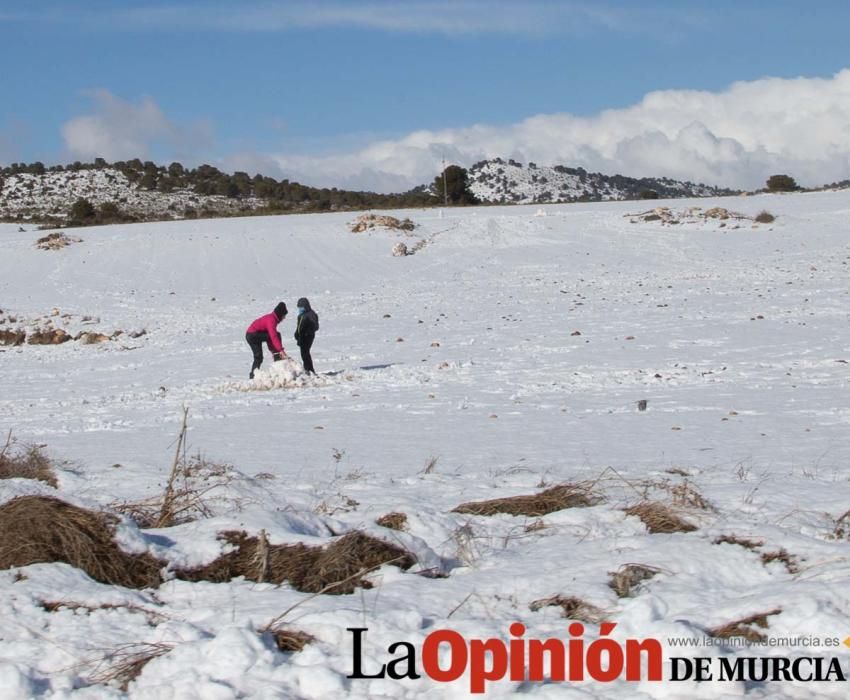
<point x="264" y="330"/>
<point x="305" y="331"/>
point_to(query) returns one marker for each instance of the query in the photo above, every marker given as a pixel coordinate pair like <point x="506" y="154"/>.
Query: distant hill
<point x="101" y="192"/>
<point x="508" y="181"/>
<point x="136" y="191"/>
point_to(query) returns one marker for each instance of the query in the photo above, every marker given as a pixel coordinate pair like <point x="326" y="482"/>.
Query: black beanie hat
<point x="280" y="310"/>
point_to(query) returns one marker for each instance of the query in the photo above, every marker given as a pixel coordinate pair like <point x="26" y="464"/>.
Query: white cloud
<point x="117" y="129"/>
<point x="735" y="138"/>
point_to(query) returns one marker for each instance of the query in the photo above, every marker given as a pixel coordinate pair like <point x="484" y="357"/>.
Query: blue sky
<point x="334" y="90"/>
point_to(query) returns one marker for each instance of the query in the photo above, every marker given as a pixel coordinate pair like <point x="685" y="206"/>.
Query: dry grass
<point x="291" y="640"/>
<point x="184" y="498"/>
<point x="12" y="337"/>
<point x="572" y="608"/>
<point x="125" y="664"/>
<point x="26" y="462"/>
<point x="628" y="577"/>
<point x="744" y="627"/>
<point x="152" y="616"/>
<point x="394" y="521"/>
<point x="339" y="568"/>
<point x="39" y="529"/>
<point x="659" y="519"/>
<point x="56" y="241"/>
<point x="740" y="541"/>
<point x="687" y="496"/>
<point x="764" y="217"/>
<point x="535" y="505"/>
<point x="841" y="530"/>
<point x="789" y="560"/>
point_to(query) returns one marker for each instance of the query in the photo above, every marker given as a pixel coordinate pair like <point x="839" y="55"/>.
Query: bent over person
<point x="305" y="332"/>
<point x="264" y="330"/>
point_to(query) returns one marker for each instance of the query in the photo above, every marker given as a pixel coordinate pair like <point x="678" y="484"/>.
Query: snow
<point x="507" y="354"/>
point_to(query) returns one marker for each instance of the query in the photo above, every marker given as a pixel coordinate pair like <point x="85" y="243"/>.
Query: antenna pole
<point x="445" y="188"/>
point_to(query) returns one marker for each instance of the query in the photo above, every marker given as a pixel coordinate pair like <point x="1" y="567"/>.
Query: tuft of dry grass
<point x="12" y="337"/>
<point x="659" y="519"/>
<point x="339" y="568"/>
<point x="629" y="576"/>
<point x="789" y="560"/>
<point x="740" y="541"/>
<point x="535" y="505"/>
<point x="745" y="627"/>
<point x="40" y="529"/>
<point x="764" y="217"/>
<point x="291" y="640"/>
<point x="26" y="462"/>
<point x="687" y="496"/>
<point x="394" y="521"/>
<point x="572" y="608"/>
<point x="841" y="530"/>
<point x="125" y="663"/>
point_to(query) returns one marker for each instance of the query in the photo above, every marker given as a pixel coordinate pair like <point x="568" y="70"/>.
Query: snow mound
<point x="286" y="374"/>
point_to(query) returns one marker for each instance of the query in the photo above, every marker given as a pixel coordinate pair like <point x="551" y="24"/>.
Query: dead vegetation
<point x="339" y="568"/>
<point x="630" y="576"/>
<point x="12" y="337"/>
<point x="745" y="627"/>
<point x="572" y="608"/>
<point x="535" y="505"/>
<point x="691" y="215"/>
<point x="781" y="555"/>
<point x="394" y="521"/>
<point x="764" y="217"/>
<point x="125" y="663"/>
<point x="740" y="541"/>
<point x="56" y="241"/>
<point x="841" y="529"/>
<point x="184" y="498"/>
<point x="788" y="560"/>
<point x="288" y="639"/>
<point x="152" y="617"/>
<point x="26" y="462"/>
<point x="50" y="336"/>
<point x="365" y="222"/>
<point x="659" y="518"/>
<point x="41" y="529"/>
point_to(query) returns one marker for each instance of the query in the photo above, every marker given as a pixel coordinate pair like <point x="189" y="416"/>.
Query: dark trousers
<point x="305" y="357"/>
<point x="256" y="340"/>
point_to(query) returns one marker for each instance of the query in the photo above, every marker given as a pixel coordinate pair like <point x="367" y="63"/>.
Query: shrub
<point x="781" y="183"/>
<point x="82" y="212"/>
<point x="765" y="217"/>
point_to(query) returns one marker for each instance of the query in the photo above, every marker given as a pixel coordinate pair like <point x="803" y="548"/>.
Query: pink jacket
<point x="268" y="323"/>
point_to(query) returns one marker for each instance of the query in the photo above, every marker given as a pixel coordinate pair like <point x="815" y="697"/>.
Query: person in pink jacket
<point x="264" y="330"/>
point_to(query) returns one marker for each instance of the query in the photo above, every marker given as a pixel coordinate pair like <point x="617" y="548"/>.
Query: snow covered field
<point x="507" y="355"/>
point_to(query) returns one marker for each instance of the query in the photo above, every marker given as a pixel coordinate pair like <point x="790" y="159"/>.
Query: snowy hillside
<point x="509" y="181"/>
<point x="52" y="194"/>
<point x="678" y="393"/>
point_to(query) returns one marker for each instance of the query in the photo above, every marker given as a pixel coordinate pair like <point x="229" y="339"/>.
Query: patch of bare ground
<point x="535" y="505"/>
<point x="745" y="627"/>
<point x="40" y="529"/>
<point x="572" y="608"/>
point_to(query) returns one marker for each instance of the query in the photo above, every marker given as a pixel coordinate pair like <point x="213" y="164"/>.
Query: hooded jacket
<point x="268" y="323"/>
<point x="307" y="324"/>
